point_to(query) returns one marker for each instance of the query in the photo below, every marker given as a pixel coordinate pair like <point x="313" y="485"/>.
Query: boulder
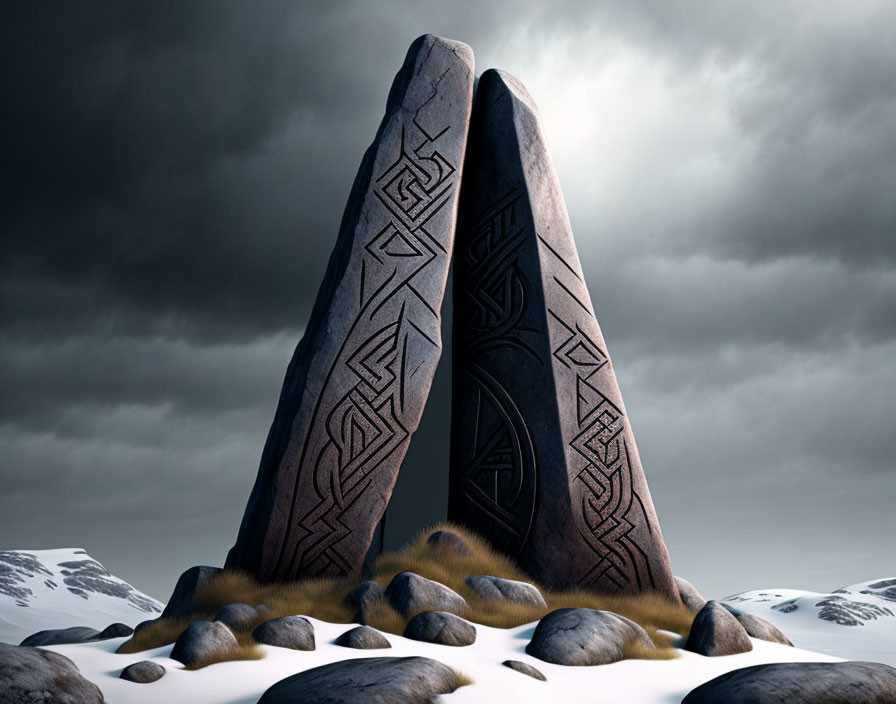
<point x="411" y="680"/>
<point x="143" y="672"/>
<point x="361" y="597"/>
<point x="183" y="600"/>
<point x="409" y="592"/>
<point x="363" y="638"/>
<point x="202" y="640"/>
<point x="716" y="632"/>
<point x="690" y="597"/>
<point x="585" y="637"/>
<point x="60" y="636"/>
<point x="498" y="589"/>
<point x="237" y="617"/>
<point x="758" y="627"/>
<point x="294" y="632"/>
<point x="115" y="630"/>
<point x="536" y="410"/>
<point x="35" y="675"/>
<point x="440" y="627"/>
<point x="450" y="541"/>
<point x="525" y="668"/>
<point x="801" y="683"/>
<point x="356" y="386"/>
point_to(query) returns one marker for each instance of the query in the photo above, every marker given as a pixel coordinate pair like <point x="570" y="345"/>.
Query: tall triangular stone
<point x="355" y="388"/>
<point x="543" y="459"/>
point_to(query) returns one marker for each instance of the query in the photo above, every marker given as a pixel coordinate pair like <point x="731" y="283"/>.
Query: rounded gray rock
<point x="143" y="672"/>
<point x="412" y="680"/>
<point x="61" y="636"/>
<point x="363" y="638"/>
<point x="498" y="589"/>
<point x="758" y="627"/>
<point x="690" y="597"/>
<point x="409" y="592"/>
<point x="294" y="632"/>
<point x="361" y="597"/>
<point x="585" y="637"/>
<point x="237" y="617"/>
<point x="203" y="639"/>
<point x="115" y="630"/>
<point x="451" y="541"/>
<point x="183" y="600"/>
<point x="716" y="631"/>
<point x="440" y="627"/>
<point x="801" y="683"/>
<point x="525" y="668"/>
<point x="34" y="675"/>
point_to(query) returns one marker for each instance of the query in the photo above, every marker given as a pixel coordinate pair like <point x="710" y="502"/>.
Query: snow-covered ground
<point x="42" y="589"/>
<point x="643" y="681"/>
<point x="857" y="622"/>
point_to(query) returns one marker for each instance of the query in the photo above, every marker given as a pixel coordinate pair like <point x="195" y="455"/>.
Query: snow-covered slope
<point x="856" y="622"/>
<point x="60" y="588"/>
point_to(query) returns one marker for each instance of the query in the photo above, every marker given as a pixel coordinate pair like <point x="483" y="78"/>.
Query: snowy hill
<point x="42" y="589"/>
<point x="855" y="622"/>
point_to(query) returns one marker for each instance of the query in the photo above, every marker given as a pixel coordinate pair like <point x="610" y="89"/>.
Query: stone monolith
<point x="355" y="388"/>
<point x="543" y="460"/>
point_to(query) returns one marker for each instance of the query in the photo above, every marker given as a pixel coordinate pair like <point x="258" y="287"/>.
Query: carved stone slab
<point x="355" y="388"/>
<point x="543" y="459"/>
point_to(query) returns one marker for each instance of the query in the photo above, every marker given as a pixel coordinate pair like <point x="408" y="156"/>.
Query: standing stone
<point x="355" y="388"/>
<point x="543" y="459"/>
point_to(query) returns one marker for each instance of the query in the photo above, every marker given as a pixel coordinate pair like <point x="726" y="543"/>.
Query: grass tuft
<point x="459" y="680"/>
<point x="324" y="599"/>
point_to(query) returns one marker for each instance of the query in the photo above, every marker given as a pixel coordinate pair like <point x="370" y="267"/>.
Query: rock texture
<point x="449" y="540"/>
<point x="34" y="675"/>
<point x="525" y="668"/>
<point x="413" y="680"/>
<point x="758" y="627"/>
<point x="143" y="672"/>
<point x="689" y="595"/>
<point x="585" y="637"/>
<point x="801" y="683"/>
<point x="355" y="388"/>
<point x="498" y="589"/>
<point x="409" y="592"/>
<point x="716" y="631"/>
<point x="295" y="632"/>
<point x="76" y="634"/>
<point x="363" y="638"/>
<point x="201" y="640"/>
<point x="361" y="598"/>
<point x="440" y="627"/>
<point x="543" y="458"/>
<point x="183" y="600"/>
<point x="237" y="617"/>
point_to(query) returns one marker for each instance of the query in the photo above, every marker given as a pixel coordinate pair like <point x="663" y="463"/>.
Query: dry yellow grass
<point x="325" y="598"/>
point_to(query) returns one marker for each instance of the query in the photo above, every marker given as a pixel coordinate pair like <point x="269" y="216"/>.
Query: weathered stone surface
<point x="543" y="459"/>
<point x="585" y="637"/>
<point x="355" y="388"/>
<point x="363" y="638"/>
<point x="689" y="595"/>
<point x="715" y="632"/>
<point x="758" y="627"/>
<point x="801" y="683"/>
<point x="525" y="668"/>
<point x="440" y="627"/>
<point x="409" y="592"/>
<point x="143" y="672"/>
<point x="449" y="540"/>
<point x="362" y="596"/>
<point x="201" y="640"/>
<point x="183" y="600"/>
<point x="414" y="680"/>
<point x="76" y="634"/>
<point x="34" y="675"/>
<point x="497" y="589"/>
<point x="115" y="630"/>
<point x="295" y="632"/>
<point x="237" y="617"/>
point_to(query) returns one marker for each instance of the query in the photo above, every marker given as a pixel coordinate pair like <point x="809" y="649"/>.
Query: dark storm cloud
<point x="174" y="175"/>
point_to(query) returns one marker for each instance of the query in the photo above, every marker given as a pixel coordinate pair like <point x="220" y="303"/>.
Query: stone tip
<point x="426" y="43"/>
<point x="495" y="81"/>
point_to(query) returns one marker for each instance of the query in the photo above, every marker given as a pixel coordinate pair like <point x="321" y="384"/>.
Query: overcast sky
<point x="173" y="177"/>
